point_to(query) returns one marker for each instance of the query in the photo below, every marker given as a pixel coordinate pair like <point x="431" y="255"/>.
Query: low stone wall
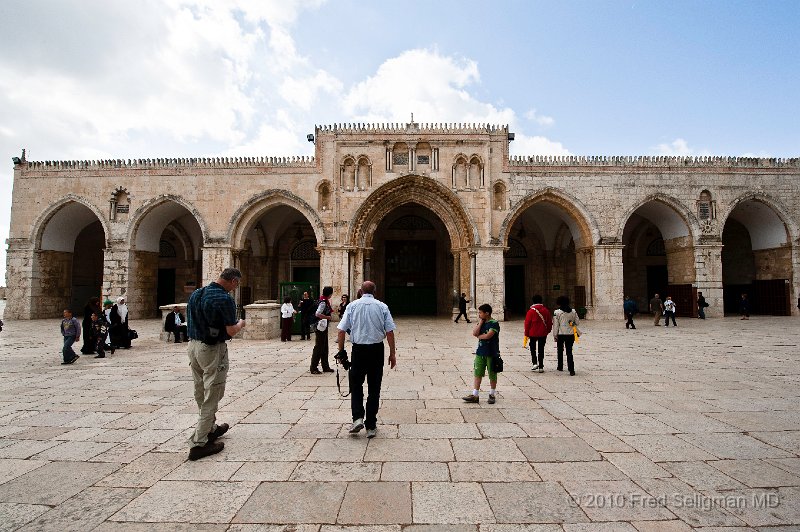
<point x="263" y="321"/>
<point x="166" y="309"/>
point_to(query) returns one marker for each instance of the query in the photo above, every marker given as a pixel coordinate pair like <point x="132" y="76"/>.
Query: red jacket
<point x="534" y="326"/>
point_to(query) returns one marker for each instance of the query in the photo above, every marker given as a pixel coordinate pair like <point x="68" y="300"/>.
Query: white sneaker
<point x="358" y="424"/>
<point x="371" y="433"/>
<point x="541" y="369"/>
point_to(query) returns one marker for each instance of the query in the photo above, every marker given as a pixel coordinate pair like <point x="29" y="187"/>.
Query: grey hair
<point x="229" y="274"/>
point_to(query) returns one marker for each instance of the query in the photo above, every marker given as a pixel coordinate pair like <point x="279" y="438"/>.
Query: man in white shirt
<point x="369" y="322"/>
<point x="669" y="312"/>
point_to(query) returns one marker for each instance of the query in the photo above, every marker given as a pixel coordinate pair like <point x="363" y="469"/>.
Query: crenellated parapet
<point x="409" y="127"/>
<point x="300" y="161"/>
<point x="657" y="161"/>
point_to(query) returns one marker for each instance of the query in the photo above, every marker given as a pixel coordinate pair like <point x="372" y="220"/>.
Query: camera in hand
<point x="341" y="358"/>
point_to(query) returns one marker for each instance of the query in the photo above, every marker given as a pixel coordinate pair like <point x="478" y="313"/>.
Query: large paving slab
<point x="660" y="430"/>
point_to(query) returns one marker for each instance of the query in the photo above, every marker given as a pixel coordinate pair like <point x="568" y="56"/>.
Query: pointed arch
<point x="163" y="201"/>
<point x="54" y="213"/>
<point x="661" y="206"/>
<point x="773" y="213"/>
<point x="253" y="209"/>
<point x="413" y="189"/>
<point x="580" y="221"/>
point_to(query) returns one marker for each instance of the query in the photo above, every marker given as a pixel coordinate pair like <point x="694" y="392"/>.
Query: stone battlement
<point x="300" y="161"/>
<point x="437" y="128"/>
<point x="661" y="161"/>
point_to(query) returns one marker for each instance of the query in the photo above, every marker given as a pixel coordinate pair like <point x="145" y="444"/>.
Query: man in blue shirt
<point x="211" y="320"/>
<point x="487" y="331"/>
<point x="369" y="322"/>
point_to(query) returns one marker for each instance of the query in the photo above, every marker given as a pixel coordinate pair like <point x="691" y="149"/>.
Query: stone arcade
<point x="425" y="210"/>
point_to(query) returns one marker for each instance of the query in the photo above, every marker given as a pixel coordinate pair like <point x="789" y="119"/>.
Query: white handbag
<point x="322" y="325"/>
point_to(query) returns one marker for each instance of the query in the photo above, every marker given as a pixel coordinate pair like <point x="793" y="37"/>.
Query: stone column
<point x="489" y="280"/>
<point x="333" y="268"/>
<point x="794" y="291"/>
<point x="216" y="257"/>
<point x="608" y="281"/>
<point x="116" y="267"/>
<point x="708" y="276"/>
<point x="19" y="280"/>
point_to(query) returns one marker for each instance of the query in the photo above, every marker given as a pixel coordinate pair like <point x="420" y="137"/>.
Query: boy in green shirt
<point x="487" y="331"/>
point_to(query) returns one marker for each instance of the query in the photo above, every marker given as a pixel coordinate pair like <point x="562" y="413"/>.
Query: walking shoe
<point x="358" y="424"/>
<point x="315" y="371"/>
<point x="74" y="359"/>
<point x="469" y="321"/>
<point x="219" y="431"/>
<point x="99" y="356"/>
<point x="534" y="368"/>
<point x="196" y="453"/>
<point x="471" y="398"/>
<point x="541" y="369"/>
<point x="456" y="321"/>
<point x="559" y="369"/>
<point x="491" y="399"/>
<point x="571" y="373"/>
<point x="327" y="370"/>
<point x="371" y="433"/>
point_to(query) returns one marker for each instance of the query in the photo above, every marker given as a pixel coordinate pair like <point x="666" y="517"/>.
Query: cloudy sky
<point x="94" y="79"/>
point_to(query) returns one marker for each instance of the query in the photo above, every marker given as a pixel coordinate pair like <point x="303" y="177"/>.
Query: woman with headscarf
<point x="89" y="338"/>
<point x="120" y="334"/>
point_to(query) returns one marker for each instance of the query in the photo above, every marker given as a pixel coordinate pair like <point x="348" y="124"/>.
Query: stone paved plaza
<point x="661" y="429"/>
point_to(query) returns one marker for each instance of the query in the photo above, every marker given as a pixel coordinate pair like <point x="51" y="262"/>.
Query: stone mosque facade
<point x="427" y="211"/>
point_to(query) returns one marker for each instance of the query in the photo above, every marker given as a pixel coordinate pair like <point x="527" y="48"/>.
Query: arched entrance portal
<point x="658" y="257"/>
<point x="412" y="262"/>
<point x="414" y="235"/>
<point x="68" y="262"/>
<point x="277" y="245"/>
<point x="166" y="258"/>
<point x="756" y="260"/>
<point x="541" y="257"/>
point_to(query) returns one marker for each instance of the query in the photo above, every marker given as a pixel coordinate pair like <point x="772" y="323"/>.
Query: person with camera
<point x="369" y="322"/>
<point x="211" y="314"/>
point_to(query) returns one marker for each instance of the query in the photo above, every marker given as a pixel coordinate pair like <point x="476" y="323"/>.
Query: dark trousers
<point x="67" y="350"/>
<point x="701" y="312"/>
<point x="305" y="334"/>
<point x="177" y="331"/>
<point x="367" y="363"/>
<point x="462" y="312"/>
<point x="667" y="316"/>
<point x="562" y="341"/>
<point x="537" y="345"/>
<point x="320" y="350"/>
<point x="629" y="323"/>
<point x="286" y="329"/>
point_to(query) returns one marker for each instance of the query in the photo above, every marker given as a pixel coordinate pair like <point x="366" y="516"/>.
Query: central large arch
<point x="413" y="237"/>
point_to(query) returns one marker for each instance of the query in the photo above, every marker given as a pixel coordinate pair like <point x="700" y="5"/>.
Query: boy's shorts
<point x="481" y="364"/>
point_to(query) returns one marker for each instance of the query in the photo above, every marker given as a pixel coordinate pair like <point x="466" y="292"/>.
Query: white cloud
<point x="678" y="147"/>
<point x="542" y="120"/>
<point x="536" y="145"/>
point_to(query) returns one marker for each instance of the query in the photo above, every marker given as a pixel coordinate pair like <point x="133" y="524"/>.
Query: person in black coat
<point x="307" y="307"/>
<point x="89" y="338"/>
<point x="175" y="322"/>
<point x="120" y="333"/>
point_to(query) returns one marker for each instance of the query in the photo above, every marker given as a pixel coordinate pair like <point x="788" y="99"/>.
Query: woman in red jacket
<point x="538" y="323"/>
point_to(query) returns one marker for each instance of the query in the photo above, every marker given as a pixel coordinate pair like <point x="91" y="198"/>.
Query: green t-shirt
<point x="490" y="347"/>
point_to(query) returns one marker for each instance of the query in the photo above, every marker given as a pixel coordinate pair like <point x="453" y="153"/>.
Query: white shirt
<point x="368" y="320"/>
<point x="178" y="322"/>
<point x="669" y="306"/>
<point x="287" y="310"/>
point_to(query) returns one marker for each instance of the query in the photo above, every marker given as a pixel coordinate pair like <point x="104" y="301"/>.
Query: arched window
<point x="460" y="173"/>
<point x="348" y="171"/>
<point x="516" y="250"/>
<point x="499" y="196"/>
<point x="166" y="250"/>
<point x="306" y="250"/>
<point x="363" y="173"/>
<point x="324" y="196"/>
<point x="706" y="208"/>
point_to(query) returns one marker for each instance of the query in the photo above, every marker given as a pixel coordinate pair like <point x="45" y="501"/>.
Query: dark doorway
<point x="515" y="290"/>
<point x="87" y="266"/>
<point x="411" y="277"/>
<point x="166" y="286"/>
<point x="657" y="281"/>
<point x="306" y="274"/>
<point x="685" y="298"/>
